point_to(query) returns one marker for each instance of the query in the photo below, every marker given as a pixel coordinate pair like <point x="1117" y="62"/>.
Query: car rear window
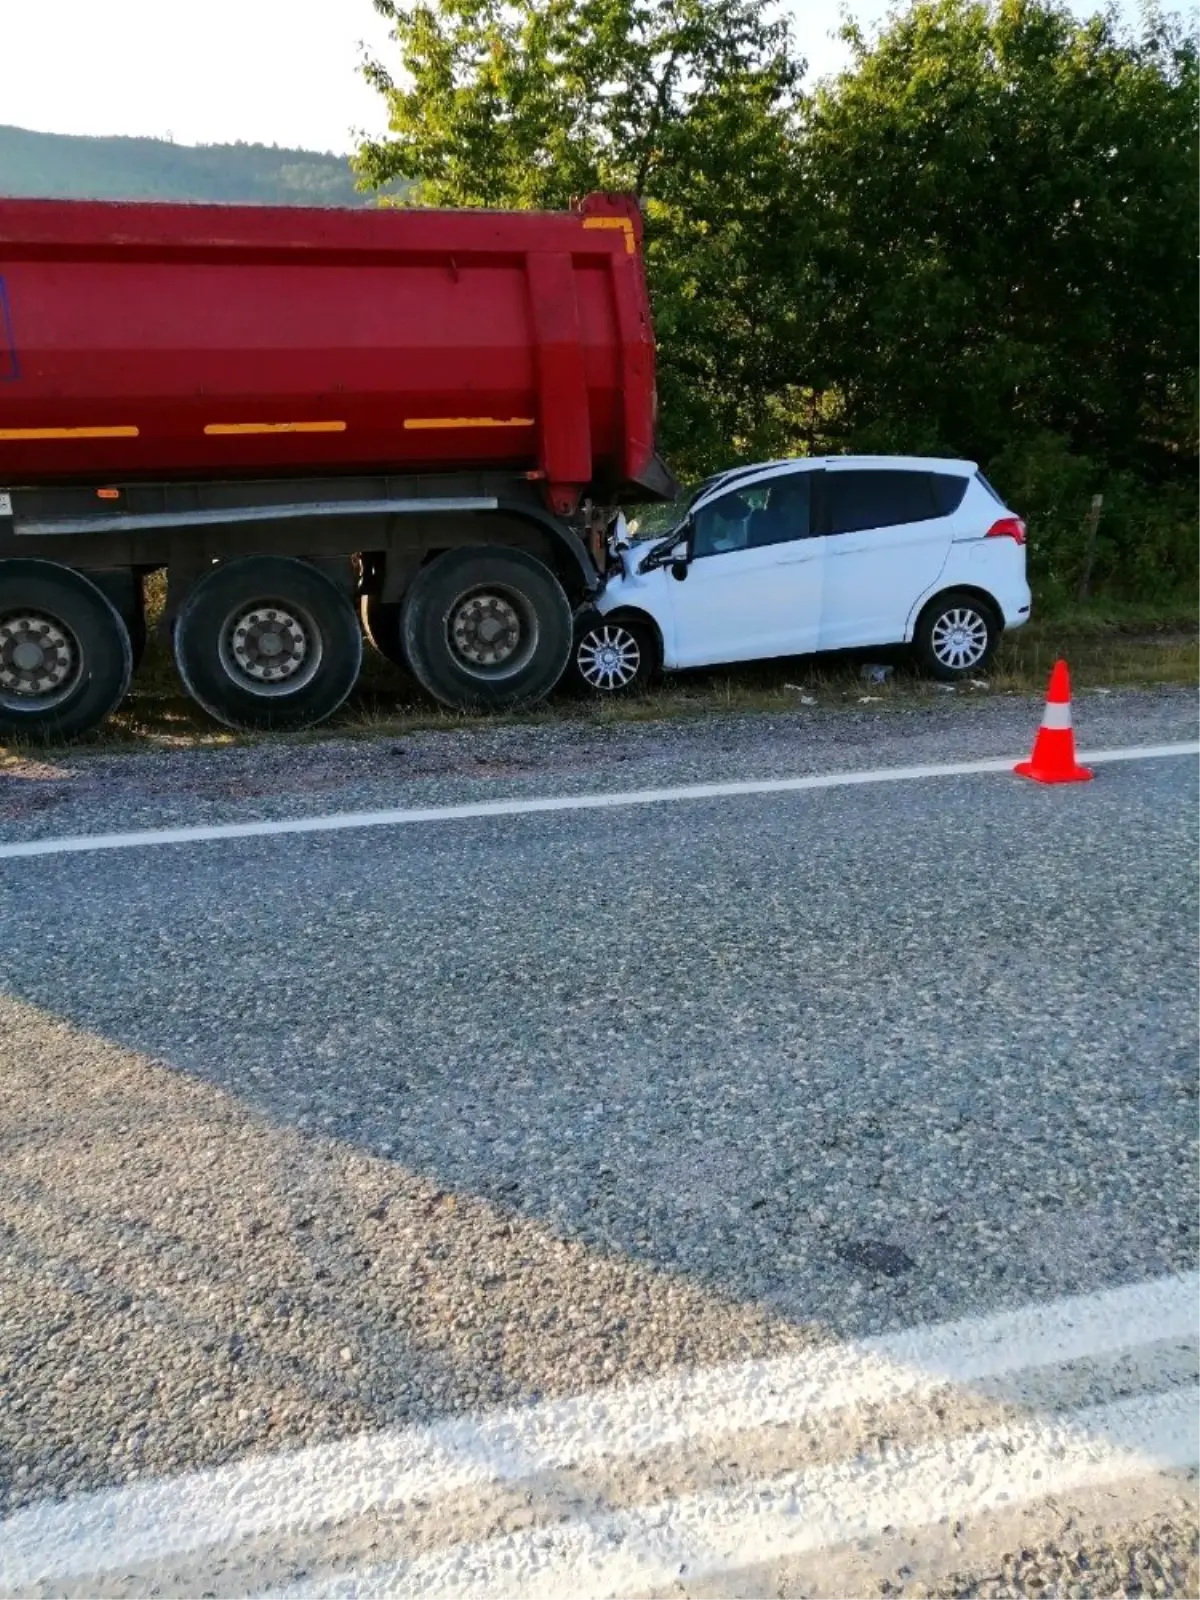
<point x="948" y="491"/>
<point x="882" y="498"/>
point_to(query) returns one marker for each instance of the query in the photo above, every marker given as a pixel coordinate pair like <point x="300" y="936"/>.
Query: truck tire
<point x="381" y="624"/>
<point x="65" y="659"/>
<point x="486" y="627"/>
<point x="267" y="642"/>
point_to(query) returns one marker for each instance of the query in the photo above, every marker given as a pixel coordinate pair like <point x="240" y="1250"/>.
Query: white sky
<point x="266" y="71"/>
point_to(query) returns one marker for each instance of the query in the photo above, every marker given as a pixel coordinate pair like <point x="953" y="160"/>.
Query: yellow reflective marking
<point x="468" y="422"/>
<point x="68" y="433"/>
<point x="615" y="222"/>
<point x="275" y="427"/>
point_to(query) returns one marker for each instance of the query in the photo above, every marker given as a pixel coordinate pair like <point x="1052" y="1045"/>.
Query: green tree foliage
<point x="690" y="104"/>
<point x="979" y="240"/>
<point x="1006" y="225"/>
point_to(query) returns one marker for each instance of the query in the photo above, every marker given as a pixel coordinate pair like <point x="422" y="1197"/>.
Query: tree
<point x="979" y="240"/>
<point x="690" y="104"/>
<point x="1007" y="237"/>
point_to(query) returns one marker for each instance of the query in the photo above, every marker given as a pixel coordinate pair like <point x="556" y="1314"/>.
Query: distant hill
<point x="73" y="167"/>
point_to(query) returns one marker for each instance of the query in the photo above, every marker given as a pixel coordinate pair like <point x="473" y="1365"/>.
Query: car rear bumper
<point x="1016" y="607"/>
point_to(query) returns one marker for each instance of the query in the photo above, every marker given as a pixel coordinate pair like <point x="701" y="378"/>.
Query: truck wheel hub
<point x="37" y="657"/>
<point x="269" y="644"/>
<point x="486" y="630"/>
<point x="271" y="649"/>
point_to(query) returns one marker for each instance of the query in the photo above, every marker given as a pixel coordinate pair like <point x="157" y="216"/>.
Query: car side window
<point x="722" y="524"/>
<point x="857" y="501"/>
<point x="774" y="512"/>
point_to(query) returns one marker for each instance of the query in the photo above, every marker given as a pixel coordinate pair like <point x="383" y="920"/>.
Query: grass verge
<point x="1107" y="646"/>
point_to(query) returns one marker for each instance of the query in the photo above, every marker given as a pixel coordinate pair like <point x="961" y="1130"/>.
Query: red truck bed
<point x="145" y="341"/>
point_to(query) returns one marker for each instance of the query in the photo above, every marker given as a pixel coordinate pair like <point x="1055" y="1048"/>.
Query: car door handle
<point x="794" y="557"/>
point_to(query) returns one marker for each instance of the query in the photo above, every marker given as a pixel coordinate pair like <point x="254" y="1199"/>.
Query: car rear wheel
<point x="613" y="656"/>
<point x="267" y="642"/>
<point x="956" y="636"/>
<point x="486" y="628"/>
<point x="65" y="656"/>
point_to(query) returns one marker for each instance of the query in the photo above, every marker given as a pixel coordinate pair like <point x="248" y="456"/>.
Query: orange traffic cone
<point x="1053" y="759"/>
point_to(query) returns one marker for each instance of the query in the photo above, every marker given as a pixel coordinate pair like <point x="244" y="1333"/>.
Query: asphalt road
<point x="316" y="1135"/>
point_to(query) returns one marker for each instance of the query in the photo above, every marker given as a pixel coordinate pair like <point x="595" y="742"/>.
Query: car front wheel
<point x="613" y="656"/>
<point x="956" y="636"/>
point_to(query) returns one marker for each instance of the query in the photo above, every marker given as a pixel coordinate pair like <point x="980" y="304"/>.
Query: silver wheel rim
<point x="609" y="657"/>
<point x="492" y="632"/>
<point x="40" y="661"/>
<point x="960" y="638"/>
<point x="271" y="648"/>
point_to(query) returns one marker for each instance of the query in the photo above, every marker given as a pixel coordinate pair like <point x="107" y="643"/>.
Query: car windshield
<point x="659" y="522"/>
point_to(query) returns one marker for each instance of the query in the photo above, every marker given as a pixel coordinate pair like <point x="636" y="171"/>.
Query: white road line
<point x="517" y="807"/>
<point x="288" y="1494"/>
<point x="650" y="1548"/>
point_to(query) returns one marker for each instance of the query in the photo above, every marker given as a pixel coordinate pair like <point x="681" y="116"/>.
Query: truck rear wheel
<point x="65" y="658"/>
<point x="486" y="627"/>
<point x="267" y="642"/>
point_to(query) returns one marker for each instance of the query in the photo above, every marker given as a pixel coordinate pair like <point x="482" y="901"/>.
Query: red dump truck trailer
<point x="413" y="423"/>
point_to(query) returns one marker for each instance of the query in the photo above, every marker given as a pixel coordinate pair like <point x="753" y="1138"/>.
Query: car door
<point x="751" y="587"/>
<point x="884" y="542"/>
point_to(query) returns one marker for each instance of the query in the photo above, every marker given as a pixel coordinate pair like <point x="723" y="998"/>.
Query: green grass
<point x="1177" y="613"/>
<point x="1106" y="646"/>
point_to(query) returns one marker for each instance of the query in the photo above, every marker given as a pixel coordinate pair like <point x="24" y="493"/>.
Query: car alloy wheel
<point x="959" y="638"/>
<point x="609" y="657"/>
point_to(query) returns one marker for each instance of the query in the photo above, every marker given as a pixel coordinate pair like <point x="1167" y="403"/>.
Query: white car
<point x="835" y="553"/>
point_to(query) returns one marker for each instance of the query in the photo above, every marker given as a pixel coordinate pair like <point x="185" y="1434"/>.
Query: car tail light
<point x="1007" y="528"/>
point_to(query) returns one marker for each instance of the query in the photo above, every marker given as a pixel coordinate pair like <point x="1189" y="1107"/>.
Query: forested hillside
<point x="69" y="167"/>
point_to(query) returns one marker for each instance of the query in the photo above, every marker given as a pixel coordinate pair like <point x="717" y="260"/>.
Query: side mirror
<point x="669" y="552"/>
<point x="679" y="570"/>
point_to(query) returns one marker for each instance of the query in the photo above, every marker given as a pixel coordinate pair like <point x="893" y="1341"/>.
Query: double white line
<point x="384" y="1514"/>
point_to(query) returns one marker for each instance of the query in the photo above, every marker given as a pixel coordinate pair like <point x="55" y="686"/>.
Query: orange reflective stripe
<point x="275" y="427"/>
<point x="468" y="422"/>
<point x="615" y="222"/>
<point x="68" y="433"/>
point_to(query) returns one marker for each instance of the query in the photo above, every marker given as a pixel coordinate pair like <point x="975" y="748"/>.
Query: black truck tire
<point x="267" y="642"/>
<point x="487" y="627"/>
<point x="65" y="657"/>
<point x="381" y="624"/>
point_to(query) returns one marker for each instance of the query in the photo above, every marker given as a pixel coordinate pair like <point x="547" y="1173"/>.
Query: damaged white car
<point x="792" y="557"/>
